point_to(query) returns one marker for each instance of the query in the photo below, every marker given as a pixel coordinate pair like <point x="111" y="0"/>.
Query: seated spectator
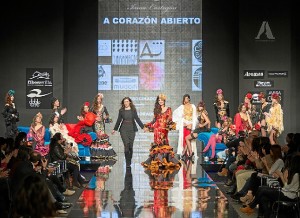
<point x="60" y="152"/>
<point x="33" y="198"/>
<point x="266" y="196"/>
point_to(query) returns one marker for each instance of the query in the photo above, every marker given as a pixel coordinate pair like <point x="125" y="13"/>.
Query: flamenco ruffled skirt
<point x="161" y="157"/>
<point x="100" y="150"/>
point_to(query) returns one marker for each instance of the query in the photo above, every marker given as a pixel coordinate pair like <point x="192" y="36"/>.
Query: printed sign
<point x="264" y="84"/>
<point x="125" y="83"/>
<point x="277" y="74"/>
<point x="254" y="74"/>
<point x="39" y="88"/>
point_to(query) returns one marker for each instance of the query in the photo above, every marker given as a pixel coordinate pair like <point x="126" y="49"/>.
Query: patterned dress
<point x="275" y="120"/>
<point x="161" y="153"/>
<point x="221" y="111"/>
<point x="37" y="136"/>
<point x="101" y="147"/>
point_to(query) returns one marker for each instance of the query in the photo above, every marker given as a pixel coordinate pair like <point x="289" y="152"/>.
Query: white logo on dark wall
<point x="254" y="74"/>
<point x="263" y="84"/>
<point x="39" y="87"/>
<point x="265" y="32"/>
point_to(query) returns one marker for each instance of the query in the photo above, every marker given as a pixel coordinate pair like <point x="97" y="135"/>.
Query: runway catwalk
<point x="118" y="191"/>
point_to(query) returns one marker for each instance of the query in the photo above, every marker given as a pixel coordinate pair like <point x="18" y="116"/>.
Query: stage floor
<point x="117" y="191"/>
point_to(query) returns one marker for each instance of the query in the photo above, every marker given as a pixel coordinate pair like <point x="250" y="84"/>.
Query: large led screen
<point x="148" y="47"/>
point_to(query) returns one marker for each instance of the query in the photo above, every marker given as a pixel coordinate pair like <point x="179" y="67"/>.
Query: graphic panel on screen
<point x="152" y="50"/>
<point x="124" y="52"/>
<point x="146" y="48"/>
<point x="104" y="77"/>
<point x="152" y="76"/>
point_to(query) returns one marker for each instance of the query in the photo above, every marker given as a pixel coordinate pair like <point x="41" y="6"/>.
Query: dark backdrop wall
<point x="31" y="36"/>
<point x="63" y="35"/>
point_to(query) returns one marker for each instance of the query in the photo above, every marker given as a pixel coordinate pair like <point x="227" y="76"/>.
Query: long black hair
<point x="157" y="108"/>
<point x="186" y="95"/>
<point x="131" y="104"/>
<point x="294" y="168"/>
<point x="57" y="136"/>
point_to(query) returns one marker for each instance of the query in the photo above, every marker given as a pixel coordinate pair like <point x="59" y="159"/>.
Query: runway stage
<point x="117" y="191"/>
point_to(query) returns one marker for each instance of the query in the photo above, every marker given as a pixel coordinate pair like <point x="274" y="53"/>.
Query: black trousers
<point x="128" y="136"/>
<point x="265" y="197"/>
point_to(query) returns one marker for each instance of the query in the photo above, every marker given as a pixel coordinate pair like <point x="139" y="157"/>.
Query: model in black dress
<point x="127" y="127"/>
<point x="11" y="115"/>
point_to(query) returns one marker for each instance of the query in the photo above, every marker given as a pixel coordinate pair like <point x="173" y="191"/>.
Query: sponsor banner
<point x="254" y="74"/>
<point x="264" y="84"/>
<point x="279" y="92"/>
<point x="104" y="77"/>
<point x="277" y="74"/>
<point x="125" y="83"/>
<point x="265" y="33"/>
<point x="152" y="50"/>
<point x="197" y="52"/>
<point x="39" y="88"/>
<point x="197" y="78"/>
<point x="104" y="48"/>
<point x="124" y="52"/>
<point x="255" y="99"/>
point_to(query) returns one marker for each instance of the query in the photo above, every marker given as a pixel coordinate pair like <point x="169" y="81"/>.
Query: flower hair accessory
<point x="219" y="91"/>
<point x="249" y="96"/>
<point x="11" y="92"/>
<point x="100" y="95"/>
<point x="86" y="104"/>
<point x="275" y="96"/>
<point x="162" y="97"/>
<point x="232" y="127"/>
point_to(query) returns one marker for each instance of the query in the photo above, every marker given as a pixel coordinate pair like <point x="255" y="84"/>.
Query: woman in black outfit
<point x="59" y="152"/>
<point x="127" y="127"/>
<point x="11" y="115"/>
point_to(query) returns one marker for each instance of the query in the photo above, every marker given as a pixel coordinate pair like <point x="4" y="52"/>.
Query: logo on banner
<point x="197" y="78"/>
<point x="254" y="74"/>
<point x="264" y="84"/>
<point x="277" y="74"/>
<point x="125" y="83"/>
<point x="152" y="50"/>
<point x="279" y="92"/>
<point x="255" y="99"/>
<point x="104" y="48"/>
<point x="197" y="52"/>
<point x="104" y="77"/>
<point x="39" y="87"/>
<point x="265" y="32"/>
<point x="124" y="52"/>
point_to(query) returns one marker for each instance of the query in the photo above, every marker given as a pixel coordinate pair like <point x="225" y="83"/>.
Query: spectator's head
<point x="35" y="158"/>
<point x="33" y="198"/>
<point x="20" y="138"/>
<point x="289" y="137"/>
<point x="276" y="152"/>
<point x="3" y="144"/>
